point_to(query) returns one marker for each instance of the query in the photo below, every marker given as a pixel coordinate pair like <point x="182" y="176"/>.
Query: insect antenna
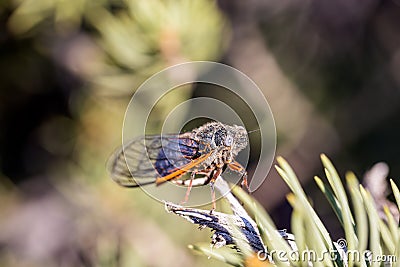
<point x="252" y="131"/>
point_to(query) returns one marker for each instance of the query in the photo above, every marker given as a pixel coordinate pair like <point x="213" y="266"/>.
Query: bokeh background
<point x="329" y="69"/>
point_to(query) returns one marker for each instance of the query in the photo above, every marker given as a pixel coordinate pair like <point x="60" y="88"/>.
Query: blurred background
<point x="330" y="71"/>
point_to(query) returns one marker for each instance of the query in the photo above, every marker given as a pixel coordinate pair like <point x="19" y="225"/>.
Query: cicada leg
<point x="214" y="176"/>
<point x="236" y="166"/>
<point x="189" y="188"/>
<point x="193" y="181"/>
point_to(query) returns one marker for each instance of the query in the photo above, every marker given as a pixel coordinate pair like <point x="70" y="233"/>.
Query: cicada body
<point x="205" y="151"/>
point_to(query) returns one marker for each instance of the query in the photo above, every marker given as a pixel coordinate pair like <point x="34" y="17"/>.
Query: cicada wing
<point x="143" y="160"/>
<point x="129" y="166"/>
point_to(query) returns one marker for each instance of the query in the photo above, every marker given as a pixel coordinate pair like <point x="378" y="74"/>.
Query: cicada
<point x="204" y="153"/>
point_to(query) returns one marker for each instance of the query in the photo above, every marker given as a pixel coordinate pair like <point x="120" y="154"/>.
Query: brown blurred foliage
<point x="329" y="69"/>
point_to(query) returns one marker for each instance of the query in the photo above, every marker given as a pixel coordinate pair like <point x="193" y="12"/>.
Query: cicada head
<point x="237" y="138"/>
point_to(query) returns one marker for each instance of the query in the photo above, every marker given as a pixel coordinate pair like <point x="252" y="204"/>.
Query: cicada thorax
<point x="212" y="139"/>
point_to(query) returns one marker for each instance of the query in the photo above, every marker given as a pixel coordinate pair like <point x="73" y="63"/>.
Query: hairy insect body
<point x="224" y="142"/>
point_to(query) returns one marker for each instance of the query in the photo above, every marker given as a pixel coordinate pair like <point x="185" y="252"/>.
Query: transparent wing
<point x="145" y="159"/>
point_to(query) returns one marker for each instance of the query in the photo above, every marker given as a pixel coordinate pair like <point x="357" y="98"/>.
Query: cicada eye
<point x="229" y="141"/>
